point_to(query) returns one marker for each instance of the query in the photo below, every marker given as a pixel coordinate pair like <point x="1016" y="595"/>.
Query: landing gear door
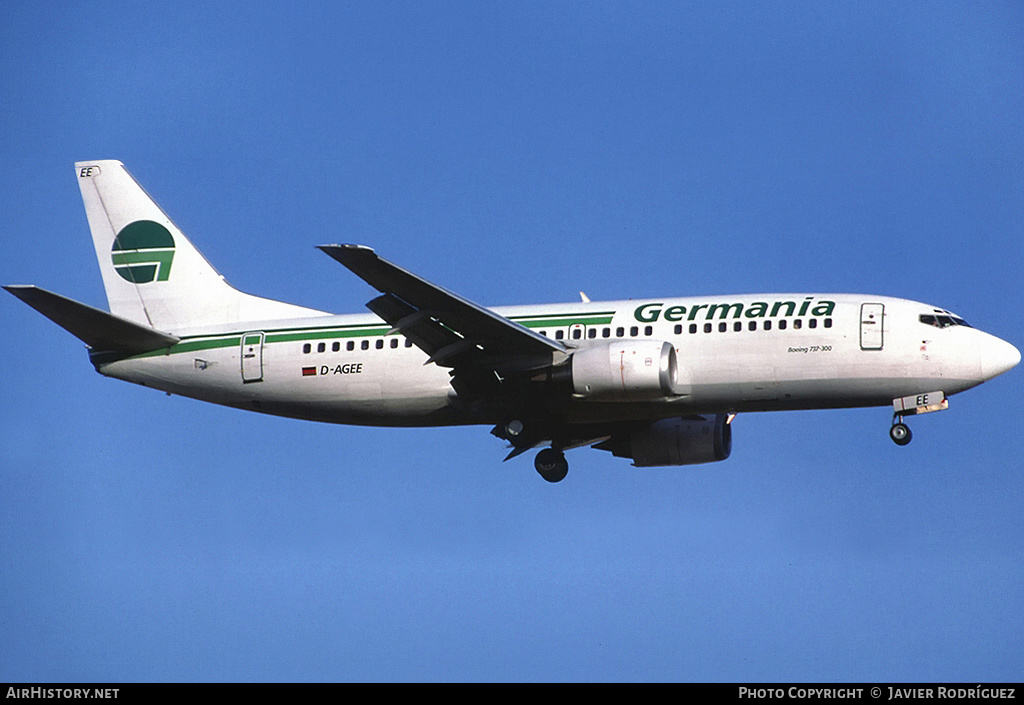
<point x="872" y="317"/>
<point x="252" y="357"/>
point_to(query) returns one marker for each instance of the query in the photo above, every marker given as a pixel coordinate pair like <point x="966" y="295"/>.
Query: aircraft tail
<point x="151" y="272"/>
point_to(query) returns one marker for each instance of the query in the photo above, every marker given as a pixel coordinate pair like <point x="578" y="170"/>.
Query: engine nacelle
<point x="626" y="370"/>
<point x="682" y="441"/>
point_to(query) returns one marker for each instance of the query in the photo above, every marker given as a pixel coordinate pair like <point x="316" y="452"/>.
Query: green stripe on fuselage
<point x="362" y="330"/>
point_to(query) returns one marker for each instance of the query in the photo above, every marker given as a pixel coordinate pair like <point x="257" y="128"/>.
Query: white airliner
<point x="657" y="381"/>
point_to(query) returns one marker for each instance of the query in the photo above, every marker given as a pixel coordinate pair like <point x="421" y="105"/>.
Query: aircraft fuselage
<point x="736" y="354"/>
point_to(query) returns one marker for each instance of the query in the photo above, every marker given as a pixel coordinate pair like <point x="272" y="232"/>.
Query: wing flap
<point x="419" y="326"/>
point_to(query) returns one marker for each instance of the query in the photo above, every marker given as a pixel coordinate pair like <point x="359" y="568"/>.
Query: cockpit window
<point x="942" y="320"/>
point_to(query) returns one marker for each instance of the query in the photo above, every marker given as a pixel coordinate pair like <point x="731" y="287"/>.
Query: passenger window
<point x="693" y="328"/>
<point x="576" y="333"/>
<point x="678" y="329"/>
<point x="307" y="348"/>
<point x="752" y="325"/>
<point x="321" y="347"/>
<point x="737" y="326"/>
<point x="394" y="343"/>
<point x="380" y="343"/>
<point x="813" y="323"/>
<point x="722" y="327"/>
<point x="620" y="332"/>
<point x="648" y="330"/>
<point x="828" y="322"/>
<point x="559" y="334"/>
<point x="592" y="333"/>
<point x="335" y="346"/>
<point x="634" y="331"/>
<point x="798" y="324"/>
<point x="365" y="345"/>
<point x="350" y="345"/>
<point x="707" y="327"/>
<point x="767" y="325"/>
<point x="606" y="333"/>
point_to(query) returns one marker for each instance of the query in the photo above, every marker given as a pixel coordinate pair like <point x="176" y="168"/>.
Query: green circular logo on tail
<point x="143" y="252"/>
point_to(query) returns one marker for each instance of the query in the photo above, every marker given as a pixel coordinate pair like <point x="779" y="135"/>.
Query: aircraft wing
<point x="453" y="331"/>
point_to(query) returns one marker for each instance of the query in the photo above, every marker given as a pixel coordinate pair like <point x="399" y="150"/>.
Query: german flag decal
<point x="308" y="371"/>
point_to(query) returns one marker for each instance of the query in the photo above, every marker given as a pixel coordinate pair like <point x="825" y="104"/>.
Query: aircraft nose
<point x="997" y="356"/>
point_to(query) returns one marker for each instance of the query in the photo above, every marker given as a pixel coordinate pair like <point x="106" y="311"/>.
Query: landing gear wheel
<point x="900" y="434"/>
<point x="552" y="465"/>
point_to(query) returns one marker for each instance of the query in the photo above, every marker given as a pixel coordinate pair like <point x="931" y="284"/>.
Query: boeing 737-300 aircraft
<point x="657" y="381"/>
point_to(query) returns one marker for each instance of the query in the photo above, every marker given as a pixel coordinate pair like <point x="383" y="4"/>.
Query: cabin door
<point x="872" y="316"/>
<point x="252" y="357"/>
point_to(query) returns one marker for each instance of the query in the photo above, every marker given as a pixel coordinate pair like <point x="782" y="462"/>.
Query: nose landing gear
<point x="900" y="432"/>
<point x="914" y="404"/>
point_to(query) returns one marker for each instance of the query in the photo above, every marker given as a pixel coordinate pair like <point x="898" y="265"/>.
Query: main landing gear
<point x="551" y="464"/>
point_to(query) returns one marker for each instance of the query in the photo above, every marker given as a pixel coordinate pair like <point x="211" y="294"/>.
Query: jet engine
<point x="625" y="370"/>
<point x="689" y="440"/>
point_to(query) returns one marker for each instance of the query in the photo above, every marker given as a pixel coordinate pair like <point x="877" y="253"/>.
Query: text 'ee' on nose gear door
<point x="872" y="317"/>
<point x="252" y="357"/>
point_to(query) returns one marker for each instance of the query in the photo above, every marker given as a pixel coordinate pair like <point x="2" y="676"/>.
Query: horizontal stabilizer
<point x="98" y="329"/>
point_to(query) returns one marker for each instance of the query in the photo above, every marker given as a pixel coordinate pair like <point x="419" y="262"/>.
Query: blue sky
<point x="514" y="153"/>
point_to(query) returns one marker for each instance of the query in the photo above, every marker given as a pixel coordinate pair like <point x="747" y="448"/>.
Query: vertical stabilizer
<point x="151" y="272"/>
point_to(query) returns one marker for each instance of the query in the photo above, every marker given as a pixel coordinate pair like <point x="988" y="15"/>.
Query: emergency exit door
<point x="252" y="357"/>
<point x="872" y="318"/>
